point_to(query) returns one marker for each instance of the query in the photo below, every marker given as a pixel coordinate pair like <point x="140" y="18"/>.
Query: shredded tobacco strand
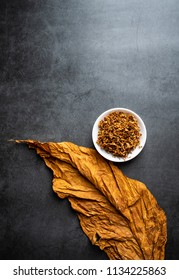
<point x="119" y="134"/>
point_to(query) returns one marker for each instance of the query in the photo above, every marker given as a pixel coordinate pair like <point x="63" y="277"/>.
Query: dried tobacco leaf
<point x="117" y="213"/>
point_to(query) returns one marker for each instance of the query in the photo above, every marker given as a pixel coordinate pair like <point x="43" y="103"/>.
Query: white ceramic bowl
<point x="135" y="152"/>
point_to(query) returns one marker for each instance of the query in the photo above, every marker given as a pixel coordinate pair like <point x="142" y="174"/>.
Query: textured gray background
<point x="62" y="63"/>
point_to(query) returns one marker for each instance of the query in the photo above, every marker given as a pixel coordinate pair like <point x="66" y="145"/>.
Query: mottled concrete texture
<point x="62" y="63"/>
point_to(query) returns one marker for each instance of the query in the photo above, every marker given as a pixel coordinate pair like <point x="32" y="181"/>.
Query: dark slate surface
<point x="62" y="63"/>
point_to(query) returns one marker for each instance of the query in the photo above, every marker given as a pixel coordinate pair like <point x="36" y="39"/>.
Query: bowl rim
<point x="136" y="151"/>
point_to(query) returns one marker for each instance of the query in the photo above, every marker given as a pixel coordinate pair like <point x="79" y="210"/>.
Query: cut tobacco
<point x="119" y="134"/>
